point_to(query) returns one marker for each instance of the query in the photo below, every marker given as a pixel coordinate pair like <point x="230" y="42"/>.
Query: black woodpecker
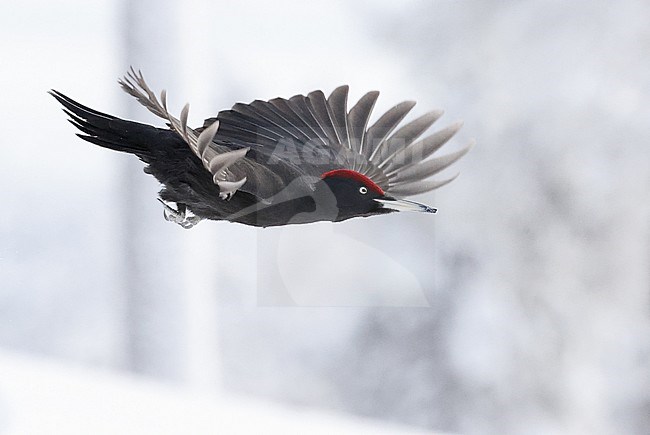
<point x="278" y="162"/>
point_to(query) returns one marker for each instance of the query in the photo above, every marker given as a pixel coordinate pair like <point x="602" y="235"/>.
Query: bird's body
<point x="297" y="160"/>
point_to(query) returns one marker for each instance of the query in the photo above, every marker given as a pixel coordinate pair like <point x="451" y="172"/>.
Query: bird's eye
<point x="363" y="190"/>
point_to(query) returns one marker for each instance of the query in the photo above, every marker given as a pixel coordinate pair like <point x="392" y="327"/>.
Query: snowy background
<point x="522" y="307"/>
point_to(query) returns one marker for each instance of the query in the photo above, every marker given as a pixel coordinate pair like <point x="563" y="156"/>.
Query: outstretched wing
<point x="264" y="146"/>
<point x="319" y="134"/>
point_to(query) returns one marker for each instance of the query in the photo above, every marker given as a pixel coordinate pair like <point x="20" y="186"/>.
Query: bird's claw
<point x="179" y="216"/>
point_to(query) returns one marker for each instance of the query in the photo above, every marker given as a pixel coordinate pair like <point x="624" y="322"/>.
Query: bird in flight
<point x="277" y="162"/>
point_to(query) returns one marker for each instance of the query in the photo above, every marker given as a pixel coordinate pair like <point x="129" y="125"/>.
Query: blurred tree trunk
<point x="151" y="266"/>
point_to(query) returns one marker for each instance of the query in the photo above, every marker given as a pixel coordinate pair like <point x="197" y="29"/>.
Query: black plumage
<point x="267" y="163"/>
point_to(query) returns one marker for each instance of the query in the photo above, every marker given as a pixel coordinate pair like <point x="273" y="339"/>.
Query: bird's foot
<point x="180" y="216"/>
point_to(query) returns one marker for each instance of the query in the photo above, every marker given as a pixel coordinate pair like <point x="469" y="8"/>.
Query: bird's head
<point x="357" y="195"/>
